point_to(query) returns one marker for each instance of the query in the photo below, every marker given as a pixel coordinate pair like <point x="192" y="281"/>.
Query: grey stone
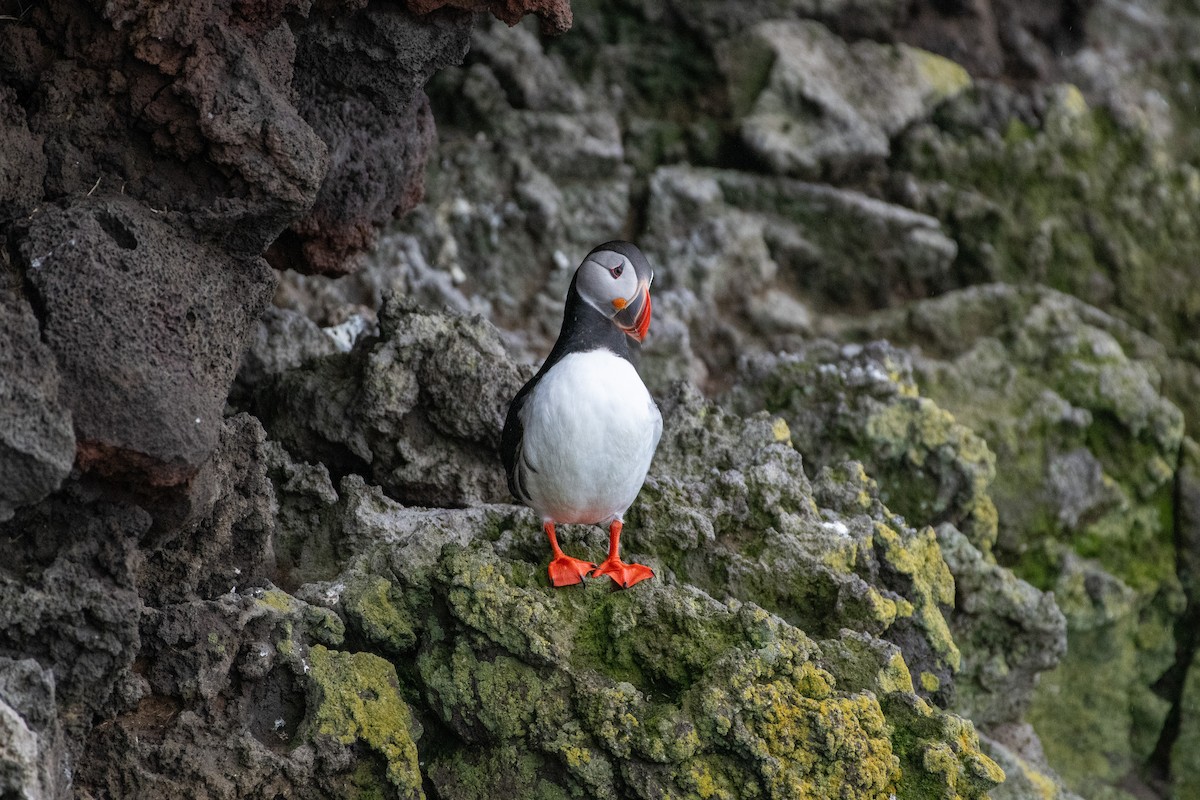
<point x="147" y="326"/>
<point x="813" y="105"/>
<point x="37" y="443"/>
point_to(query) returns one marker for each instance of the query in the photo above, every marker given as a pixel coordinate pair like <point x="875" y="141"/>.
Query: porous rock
<point x="359" y="81"/>
<point x="33" y="761"/>
<point x="555" y="14"/>
<point x="146" y="325"/>
<point x="661" y="689"/>
<point x="1080" y="513"/>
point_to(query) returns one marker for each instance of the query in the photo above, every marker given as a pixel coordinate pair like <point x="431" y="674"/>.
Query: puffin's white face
<point x="609" y="283"/>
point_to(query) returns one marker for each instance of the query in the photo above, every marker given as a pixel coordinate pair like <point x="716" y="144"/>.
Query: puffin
<point x="579" y="436"/>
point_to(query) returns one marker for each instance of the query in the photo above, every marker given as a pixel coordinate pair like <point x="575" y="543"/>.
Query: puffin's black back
<point x="583" y="329"/>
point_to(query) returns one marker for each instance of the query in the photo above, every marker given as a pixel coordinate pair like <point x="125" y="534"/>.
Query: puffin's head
<point x="615" y="280"/>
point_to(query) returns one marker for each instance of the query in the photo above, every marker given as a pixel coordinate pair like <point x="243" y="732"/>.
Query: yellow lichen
<point x="944" y="77"/>
<point x="357" y="699"/>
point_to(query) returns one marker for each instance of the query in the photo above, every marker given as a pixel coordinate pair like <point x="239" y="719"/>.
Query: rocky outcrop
<point x="924" y="509"/>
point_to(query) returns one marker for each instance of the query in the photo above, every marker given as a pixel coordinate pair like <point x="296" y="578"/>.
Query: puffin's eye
<point x="617" y="270"/>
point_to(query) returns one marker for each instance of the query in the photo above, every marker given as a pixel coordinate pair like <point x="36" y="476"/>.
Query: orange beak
<point x="634" y="318"/>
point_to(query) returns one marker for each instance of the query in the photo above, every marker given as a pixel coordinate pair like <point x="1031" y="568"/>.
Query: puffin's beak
<point x="634" y="318"/>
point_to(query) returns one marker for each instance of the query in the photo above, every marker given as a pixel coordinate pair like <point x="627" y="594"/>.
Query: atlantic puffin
<point x="580" y="435"/>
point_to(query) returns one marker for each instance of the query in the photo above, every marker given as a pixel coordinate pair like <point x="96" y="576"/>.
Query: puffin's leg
<point x="564" y="570"/>
<point x="625" y="575"/>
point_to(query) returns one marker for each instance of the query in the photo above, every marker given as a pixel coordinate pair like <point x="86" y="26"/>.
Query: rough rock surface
<point x="805" y="118"/>
<point x="146" y="326"/>
<point x="360" y="82"/>
<point x="957" y="564"/>
<point x="1082" y="512"/>
<point x="37" y="446"/>
<point x="392" y="408"/>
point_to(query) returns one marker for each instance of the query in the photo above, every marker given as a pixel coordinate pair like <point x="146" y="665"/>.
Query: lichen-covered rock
<point x="812" y="105"/>
<point x="1008" y="631"/>
<point x="253" y="680"/>
<point x="1047" y="190"/>
<point x="1088" y="448"/>
<point x="648" y="694"/>
<point x="419" y="409"/>
<point x="663" y="690"/>
<point x="862" y="403"/>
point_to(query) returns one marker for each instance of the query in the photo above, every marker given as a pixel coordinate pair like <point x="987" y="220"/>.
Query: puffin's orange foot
<point x="567" y="571"/>
<point x="625" y="575"/>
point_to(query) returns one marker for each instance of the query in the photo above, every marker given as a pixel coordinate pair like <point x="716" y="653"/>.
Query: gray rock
<point x="1009" y="633"/>
<point x="37" y="444"/>
<point x="147" y="326"/>
<point x="420" y="409"/>
<point x="22" y="164"/>
<point x="360" y="86"/>
<point x="33" y="758"/>
<point x="812" y="105"/>
<point x="762" y="255"/>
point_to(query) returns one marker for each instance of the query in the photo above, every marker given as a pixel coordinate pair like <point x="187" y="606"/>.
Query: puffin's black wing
<point x="510" y="445"/>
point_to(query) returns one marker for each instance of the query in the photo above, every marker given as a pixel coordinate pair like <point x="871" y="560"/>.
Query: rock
<point x="1082" y="512"/>
<point x="754" y="259"/>
<point x="420" y="409"/>
<point x="23" y="164"/>
<point x="1109" y="224"/>
<point x="253" y="680"/>
<point x="147" y="326"/>
<point x="68" y="598"/>
<point x="1016" y="748"/>
<point x="208" y="89"/>
<point x="555" y="14"/>
<point x="525" y="184"/>
<point x="1009" y="633"/>
<point x="862" y="403"/>
<point x="33" y="760"/>
<point x="811" y="105"/>
<point x="37" y="445"/>
<point x="360" y="82"/>
<point x="622" y="694"/>
<point x="224" y="537"/>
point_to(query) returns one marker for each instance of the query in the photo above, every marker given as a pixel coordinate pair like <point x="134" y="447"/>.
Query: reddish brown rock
<point x="360" y="83"/>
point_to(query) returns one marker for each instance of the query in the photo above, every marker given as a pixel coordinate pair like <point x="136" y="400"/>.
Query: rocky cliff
<point x="926" y="510"/>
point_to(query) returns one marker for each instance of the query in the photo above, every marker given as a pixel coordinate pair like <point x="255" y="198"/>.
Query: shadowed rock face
<point x="152" y="153"/>
<point x="146" y="326"/>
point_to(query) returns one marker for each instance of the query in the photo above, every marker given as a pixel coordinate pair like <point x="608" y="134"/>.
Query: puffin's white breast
<point x="590" y="429"/>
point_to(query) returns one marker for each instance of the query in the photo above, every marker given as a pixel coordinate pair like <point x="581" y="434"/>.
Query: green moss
<point x="502" y="771"/>
<point x="507" y="697"/>
<point x="356" y="698"/>
<point x="939" y="753"/>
